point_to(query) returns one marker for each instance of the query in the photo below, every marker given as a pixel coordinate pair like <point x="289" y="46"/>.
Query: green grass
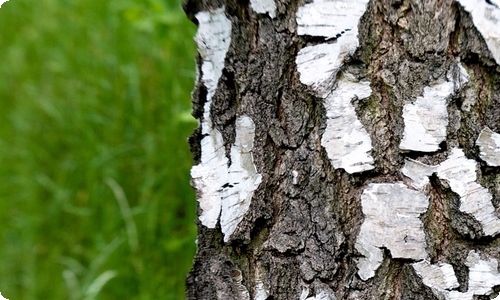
<point x="95" y="201"/>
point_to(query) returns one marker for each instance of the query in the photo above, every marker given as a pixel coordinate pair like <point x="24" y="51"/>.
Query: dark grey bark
<point x="299" y="239"/>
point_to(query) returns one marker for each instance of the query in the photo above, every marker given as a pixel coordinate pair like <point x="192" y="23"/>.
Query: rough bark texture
<point x="303" y="232"/>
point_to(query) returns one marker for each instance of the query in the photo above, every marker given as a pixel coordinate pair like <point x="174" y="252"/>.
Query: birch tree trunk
<point x="347" y="149"/>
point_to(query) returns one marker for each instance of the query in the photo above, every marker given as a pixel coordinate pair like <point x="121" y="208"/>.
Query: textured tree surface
<point x="346" y="149"/>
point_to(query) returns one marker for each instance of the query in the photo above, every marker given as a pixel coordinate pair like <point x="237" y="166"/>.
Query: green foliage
<point x="95" y="201"/>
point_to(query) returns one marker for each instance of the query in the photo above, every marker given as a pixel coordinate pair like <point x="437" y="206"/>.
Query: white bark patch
<point x="264" y="6"/>
<point x="392" y="221"/>
<point x="483" y="276"/>
<point x="330" y="18"/>
<point x="295" y="175"/>
<point x="486" y="18"/>
<point x="243" y="178"/>
<point x="209" y="176"/>
<point x="438" y="277"/>
<point x="460" y="173"/>
<point x="213" y="39"/>
<point x="322" y="295"/>
<point x="475" y="200"/>
<point x="427" y="117"/>
<point x="304" y="293"/>
<point x="318" y="66"/>
<point x="345" y="140"/>
<point x="489" y="147"/>
<point x="418" y="173"/>
<point x="260" y="291"/>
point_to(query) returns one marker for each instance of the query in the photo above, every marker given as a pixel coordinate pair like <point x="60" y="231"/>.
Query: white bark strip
<point x="483" y="276"/>
<point x="475" y="200"/>
<point x="208" y="178"/>
<point x="426" y="118"/>
<point x="460" y="173"/>
<point x="330" y="18"/>
<point x="318" y="65"/>
<point x="486" y="18"/>
<point x="243" y="178"/>
<point x="489" y="147"/>
<point x="438" y="277"/>
<point x="225" y="190"/>
<point x="321" y="295"/>
<point x="392" y="221"/>
<point x="345" y="140"/>
<point x="418" y="173"/>
<point x="213" y="39"/>
<point x="260" y="291"/>
<point x="264" y="6"/>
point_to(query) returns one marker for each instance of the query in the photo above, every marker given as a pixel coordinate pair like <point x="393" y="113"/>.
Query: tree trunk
<point x="346" y="149"/>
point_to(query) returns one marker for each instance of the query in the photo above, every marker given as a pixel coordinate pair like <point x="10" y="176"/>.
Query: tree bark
<point x="346" y="149"/>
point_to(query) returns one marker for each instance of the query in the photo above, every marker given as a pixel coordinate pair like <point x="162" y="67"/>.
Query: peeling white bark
<point x="426" y="118"/>
<point x="489" y="147"/>
<point x="209" y="176"/>
<point x="418" y="173"/>
<point x="225" y="190"/>
<point x="318" y="65"/>
<point x="213" y="39"/>
<point x="460" y="173"/>
<point x="345" y="140"/>
<point x="322" y="295"/>
<point x="264" y="6"/>
<point x="243" y="178"/>
<point x="475" y="200"/>
<point x="483" y="276"/>
<point x="295" y="175"/>
<point x="438" y="277"/>
<point x="304" y="293"/>
<point x="330" y="18"/>
<point x="260" y="291"/>
<point x="486" y="18"/>
<point x="392" y="221"/>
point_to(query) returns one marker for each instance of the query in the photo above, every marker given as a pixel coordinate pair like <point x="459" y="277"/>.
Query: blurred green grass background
<point x="95" y="201"/>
